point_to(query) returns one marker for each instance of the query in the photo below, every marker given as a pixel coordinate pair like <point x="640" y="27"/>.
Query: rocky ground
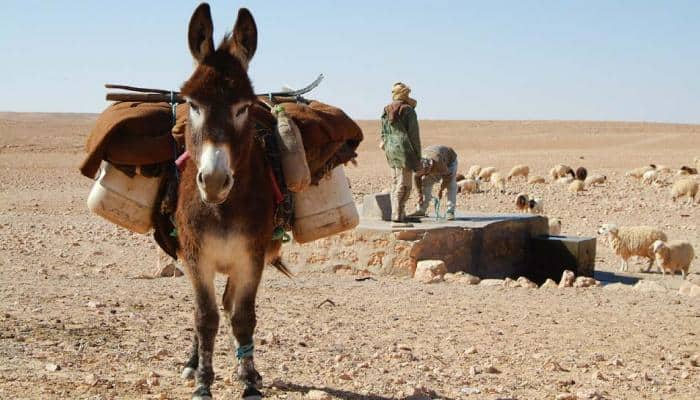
<point x="81" y="318"/>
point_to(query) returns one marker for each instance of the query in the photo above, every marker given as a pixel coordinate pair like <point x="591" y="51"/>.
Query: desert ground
<point x="80" y="320"/>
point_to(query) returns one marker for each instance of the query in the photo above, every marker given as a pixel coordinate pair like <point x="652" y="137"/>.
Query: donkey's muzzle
<point x="214" y="178"/>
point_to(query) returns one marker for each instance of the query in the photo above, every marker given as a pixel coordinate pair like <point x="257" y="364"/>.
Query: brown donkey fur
<point x="225" y="208"/>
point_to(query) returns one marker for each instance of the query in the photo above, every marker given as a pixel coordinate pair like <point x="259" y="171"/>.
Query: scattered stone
<point x="345" y="377"/>
<point x="566" y="396"/>
<point x="490" y="369"/>
<point x="597" y="375"/>
<point x="585" y="281"/>
<point x="549" y="284"/>
<point x="647" y="286"/>
<point x="470" y="350"/>
<point x="567" y="279"/>
<point x="95" y="304"/>
<point x="423" y="392"/>
<point x="491" y="282"/>
<point x="51" y="367"/>
<point x="91" y="379"/>
<point x="318" y="395"/>
<point x="169" y="270"/>
<point x="473" y="371"/>
<point x="469" y="390"/>
<point x="526" y="283"/>
<point x="590" y="394"/>
<point x="430" y="271"/>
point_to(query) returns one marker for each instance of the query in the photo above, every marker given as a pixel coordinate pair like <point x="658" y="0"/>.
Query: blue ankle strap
<point x="245" y="351"/>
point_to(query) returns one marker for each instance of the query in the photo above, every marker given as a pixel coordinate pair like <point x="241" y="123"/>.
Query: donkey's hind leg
<point x="206" y="321"/>
<point x="239" y="303"/>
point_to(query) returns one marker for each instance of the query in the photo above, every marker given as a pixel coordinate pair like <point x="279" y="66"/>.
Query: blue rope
<point x="245" y="351"/>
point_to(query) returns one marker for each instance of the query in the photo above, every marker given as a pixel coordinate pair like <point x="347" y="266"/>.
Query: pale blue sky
<point x="595" y="60"/>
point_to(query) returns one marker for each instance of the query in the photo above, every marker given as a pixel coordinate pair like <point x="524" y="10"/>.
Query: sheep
<point x="535" y="179"/>
<point x="554" y="227"/>
<point x="577" y="186"/>
<point x="559" y="171"/>
<point x="639" y="172"/>
<point x="536" y="206"/>
<point x="685" y="170"/>
<point x="468" y="186"/>
<point x="474" y="171"/>
<point x="459" y="177"/>
<point x="673" y="256"/>
<point x="581" y="173"/>
<point x="650" y="176"/>
<point x="521" y="202"/>
<point x="596" y="179"/>
<point x="684" y="187"/>
<point x="566" y="179"/>
<point x="628" y="241"/>
<point x="485" y="173"/>
<point x="519" y="170"/>
<point x="498" y="182"/>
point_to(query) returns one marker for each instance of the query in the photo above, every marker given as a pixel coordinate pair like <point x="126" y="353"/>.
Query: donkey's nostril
<point x="200" y="178"/>
<point x="227" y="181"/>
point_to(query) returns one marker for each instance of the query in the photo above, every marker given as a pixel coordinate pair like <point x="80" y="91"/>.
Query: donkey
<point x="226" y="203"/>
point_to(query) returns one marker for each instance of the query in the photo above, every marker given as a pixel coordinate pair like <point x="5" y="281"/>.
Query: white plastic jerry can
<point x="325" y="209"/>
<point x="123" y="200"/>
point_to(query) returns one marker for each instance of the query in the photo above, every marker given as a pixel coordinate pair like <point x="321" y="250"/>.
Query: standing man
<point x="439" y="163"/>
<point x="401" y="144"/>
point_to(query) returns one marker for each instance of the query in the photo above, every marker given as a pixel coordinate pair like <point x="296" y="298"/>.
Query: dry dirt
<point x="78" y="322"/>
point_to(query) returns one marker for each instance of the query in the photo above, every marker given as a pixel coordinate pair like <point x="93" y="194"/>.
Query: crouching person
<point x="438" y="163"/>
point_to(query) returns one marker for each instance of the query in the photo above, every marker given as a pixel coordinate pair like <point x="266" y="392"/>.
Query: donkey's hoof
<point x="251" y="393"/>
<point x="188" y="373"/>
<point x="202" y="393"/>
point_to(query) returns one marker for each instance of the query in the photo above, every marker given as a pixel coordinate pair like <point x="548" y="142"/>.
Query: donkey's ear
<point x="200" y="33"/>
<point x="244" y="40"/>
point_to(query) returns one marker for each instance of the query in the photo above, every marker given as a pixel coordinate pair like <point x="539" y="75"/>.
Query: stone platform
<point x="486" y="245"/>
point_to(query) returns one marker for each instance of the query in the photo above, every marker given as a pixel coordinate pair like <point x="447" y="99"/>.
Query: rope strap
<point x="245" y="351"/>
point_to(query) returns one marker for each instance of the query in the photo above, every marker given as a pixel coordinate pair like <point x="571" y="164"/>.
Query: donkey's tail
<point x="281" y="267"/>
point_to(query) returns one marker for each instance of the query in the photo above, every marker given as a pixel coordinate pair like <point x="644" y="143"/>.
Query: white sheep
<point x="536" y="206"/>
<point x="485" y="173"/>
<point x="663" y="169"/>
<point x="474" y="171"/>
<point x="535" y="179"/>
<point x="637" y="173"/>
<point x="577" y="186"/>
<point x="684" y="187"/>
<point x="650" y="176"/>
<point x="468" y="185"/>
<point x="559" y="171"/>
<point x="554" y="227"/>
<point x="673" y="256"/>
<point x="595" y="179"/>
<point x="498" y="182"/>
<point x="631" y="241"/>
<point x="519" y="170"/>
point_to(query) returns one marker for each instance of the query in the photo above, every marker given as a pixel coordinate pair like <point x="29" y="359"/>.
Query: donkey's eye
<point x="241" y="110"/>
<point x="193" y="107"/>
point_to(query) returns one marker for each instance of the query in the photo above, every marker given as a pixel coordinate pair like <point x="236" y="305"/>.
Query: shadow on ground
<point x="346" y="395"/>
<point x="611" y="277"/>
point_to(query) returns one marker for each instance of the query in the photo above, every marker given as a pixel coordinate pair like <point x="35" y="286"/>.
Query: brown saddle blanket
<point x="137" y="134"/>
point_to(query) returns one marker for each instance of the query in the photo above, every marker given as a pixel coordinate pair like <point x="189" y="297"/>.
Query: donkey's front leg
<point x="192" y="362"/>
<point x="239" y="303"/>
<point x="206" y="321"/>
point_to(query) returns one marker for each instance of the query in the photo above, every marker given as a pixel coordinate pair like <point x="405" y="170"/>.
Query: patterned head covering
<point x="400" y="92"/>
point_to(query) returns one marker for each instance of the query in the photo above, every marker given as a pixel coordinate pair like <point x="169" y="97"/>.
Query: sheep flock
<point x="527" y="190"/>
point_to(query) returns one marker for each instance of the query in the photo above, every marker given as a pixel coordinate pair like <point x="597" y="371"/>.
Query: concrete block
<point x="551" y="255"/>
<point x="377" y="207"/>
